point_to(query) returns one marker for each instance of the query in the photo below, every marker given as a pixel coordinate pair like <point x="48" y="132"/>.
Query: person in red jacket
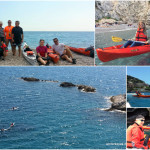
<point x="140" y="38"/>
<point x="135" y="134"/>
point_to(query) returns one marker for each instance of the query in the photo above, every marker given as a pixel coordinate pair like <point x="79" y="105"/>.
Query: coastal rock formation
<point x="30" y="79"/>
<point x="67" y="84"/>
<point x="126" y="11"/>
<point x="118" y="103"/>
<point x="85" y="88"/>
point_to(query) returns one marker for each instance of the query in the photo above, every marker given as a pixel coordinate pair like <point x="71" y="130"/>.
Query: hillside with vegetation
<point x="135" y="84"/>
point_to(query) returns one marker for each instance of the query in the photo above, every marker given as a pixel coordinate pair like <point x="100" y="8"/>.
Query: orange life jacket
<point x="8" y="32"/>
<point x="140" y="36"/>
<point x="134" y="140"/>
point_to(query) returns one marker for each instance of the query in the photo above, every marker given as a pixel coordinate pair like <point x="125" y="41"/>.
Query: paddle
<point x="119" y="39"/>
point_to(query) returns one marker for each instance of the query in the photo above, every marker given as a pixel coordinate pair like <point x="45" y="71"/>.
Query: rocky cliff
<point x="126" y="11"/>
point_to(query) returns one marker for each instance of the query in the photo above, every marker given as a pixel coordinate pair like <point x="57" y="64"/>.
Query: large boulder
<point x="118" y="103"/>
<point x="30" y="79"/>
<point x="67" y="84"/>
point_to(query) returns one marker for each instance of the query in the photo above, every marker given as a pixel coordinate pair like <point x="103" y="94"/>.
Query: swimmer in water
<point x="12" y="124"/>
<point x="14" y="108"/>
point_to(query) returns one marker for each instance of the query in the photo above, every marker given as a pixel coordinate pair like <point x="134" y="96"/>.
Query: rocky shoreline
<point x="83" y="88"/>
<point x="118" y="103"/>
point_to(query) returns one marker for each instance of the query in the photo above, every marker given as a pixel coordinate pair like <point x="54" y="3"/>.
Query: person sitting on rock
<point x="140" y="38"/>
<point x="42" y="56"/>
<point x="63" y="51"/>
<point x="135" y="134"/>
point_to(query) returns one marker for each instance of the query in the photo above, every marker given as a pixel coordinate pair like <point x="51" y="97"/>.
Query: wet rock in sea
<point x="86" y="88"/>
<point x="118" y="103"/>
<point x="30" y="79"/>
<point x="67" y="84"/>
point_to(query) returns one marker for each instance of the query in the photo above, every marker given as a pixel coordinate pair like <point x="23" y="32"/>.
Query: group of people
<point x="15" y="36"/>
<point x="59" y="48"/>
<point x="12" y="35"/>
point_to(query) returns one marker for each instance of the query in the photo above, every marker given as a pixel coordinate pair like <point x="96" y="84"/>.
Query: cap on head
<point x="139" y="117"/>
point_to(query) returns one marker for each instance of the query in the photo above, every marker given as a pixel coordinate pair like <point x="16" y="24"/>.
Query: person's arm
<point x="12" y="35"/>
<point x="38" y="53"/>
<point x="46" y="53"/>
<point x="136" y="137"/>
<point x="22" y="36"/>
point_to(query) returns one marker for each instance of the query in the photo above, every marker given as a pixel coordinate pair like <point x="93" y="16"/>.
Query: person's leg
<point x="127" y="44"/>
<point x="67" y="58"/>
<point x="11" y="45"/>
<point x="19" y="49"/>
<point x="14" y="50"/>
<point x="42" y="61"/>
<point x="68" y="52"/>
<point x="7" y="42"/>
<point x="135" y="43"/>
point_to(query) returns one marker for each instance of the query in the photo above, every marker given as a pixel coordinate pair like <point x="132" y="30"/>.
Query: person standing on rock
<point x="8" y="34"/>
<point x="135" y="134"/>
<point x="17" y="38"/>
<point x="141" y="37"/>
<point x="2" y="36"/>
<point x="63" y="51"/>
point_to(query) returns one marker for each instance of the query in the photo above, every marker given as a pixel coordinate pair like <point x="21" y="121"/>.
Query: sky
<point x="142" y="73"/>
<point x="49" y="15"/>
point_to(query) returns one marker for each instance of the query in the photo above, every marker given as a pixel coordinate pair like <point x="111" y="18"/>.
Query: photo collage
<point x="75" y="74"/>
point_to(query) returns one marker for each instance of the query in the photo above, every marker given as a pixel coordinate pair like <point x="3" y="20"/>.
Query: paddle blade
<point x="116" y="39"/>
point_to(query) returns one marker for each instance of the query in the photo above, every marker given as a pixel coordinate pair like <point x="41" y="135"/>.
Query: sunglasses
<point x="142" y="120"/>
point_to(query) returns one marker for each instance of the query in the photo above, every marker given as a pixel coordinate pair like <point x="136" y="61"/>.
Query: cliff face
<point x="126" y="11"/>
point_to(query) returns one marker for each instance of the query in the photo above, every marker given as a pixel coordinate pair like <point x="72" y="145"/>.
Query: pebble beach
<point x="11" y="60"/>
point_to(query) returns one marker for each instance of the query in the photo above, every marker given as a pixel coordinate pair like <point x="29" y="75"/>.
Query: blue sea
<point x="53" y="117"/>
<point x="104" y="39"/>
<point x="138" y="101"/>
<point x="74" y="39"/>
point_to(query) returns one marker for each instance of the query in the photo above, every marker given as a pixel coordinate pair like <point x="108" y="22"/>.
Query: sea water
<point x="104" y="39"/>
<point x="50" y="116"/>
<point x="138" y="101"/>
<point x="74" y="39"/>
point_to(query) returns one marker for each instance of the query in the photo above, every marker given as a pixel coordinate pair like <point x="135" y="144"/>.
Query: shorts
<point x="48" y="58"/>
<point x="16" y="43"/>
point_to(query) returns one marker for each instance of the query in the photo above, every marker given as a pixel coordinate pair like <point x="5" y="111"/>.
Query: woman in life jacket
<point x="135" y="134"/>
<point x="140" y="38"/>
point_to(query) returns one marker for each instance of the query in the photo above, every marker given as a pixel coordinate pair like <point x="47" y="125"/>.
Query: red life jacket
<point x="135" y="136"/>
<point x="140" y="36"/>
<point x="3" y="47"/>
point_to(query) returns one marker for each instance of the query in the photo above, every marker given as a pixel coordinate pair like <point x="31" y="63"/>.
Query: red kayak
<point x="143" y="96"/>
<point x="115" y="52"/>
<point x="52" y="55"/>
<point x="80" y="50"/>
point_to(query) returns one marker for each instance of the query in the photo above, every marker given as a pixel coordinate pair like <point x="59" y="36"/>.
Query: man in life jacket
<point x="135" y="134"/>
<point x="8" y="34"/>
<point x="140" y="38"/>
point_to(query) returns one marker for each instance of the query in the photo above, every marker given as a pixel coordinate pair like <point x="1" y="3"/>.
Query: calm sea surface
<point x="50" y="116"/>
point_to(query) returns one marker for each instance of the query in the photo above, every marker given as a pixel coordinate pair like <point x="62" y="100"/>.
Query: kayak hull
<point x="31" y="59"/>
<point x="80" y="50"/>
<point x="115" y="52"/>
<point x="143" y="96"/>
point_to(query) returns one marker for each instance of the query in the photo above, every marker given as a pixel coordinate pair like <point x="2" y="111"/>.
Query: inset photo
<point x="49" y="33"/>
<point x="138" y="87"/>
<point x="122" y="32"/>
<point x="138" y="128"/>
